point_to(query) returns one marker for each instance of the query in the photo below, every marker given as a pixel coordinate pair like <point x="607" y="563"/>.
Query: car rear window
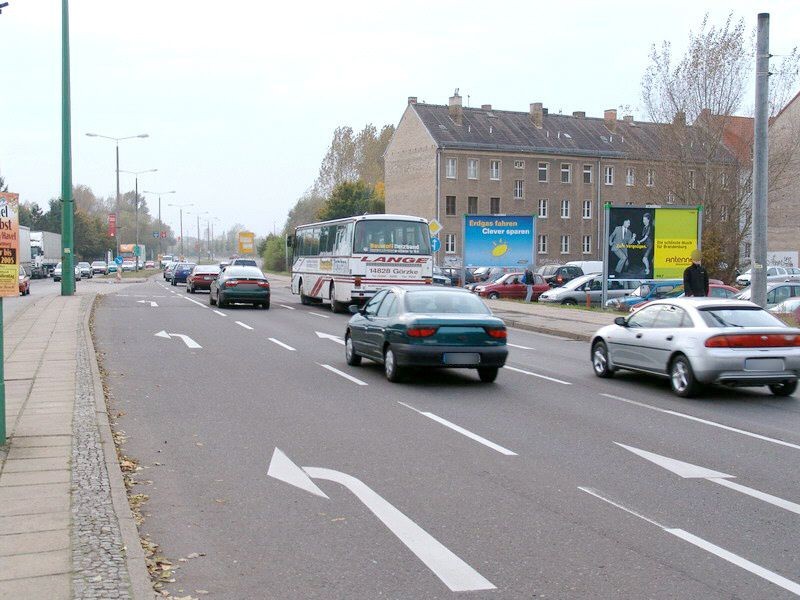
<point x="743" y="316"/>
<point x="244" y="272"/>
<point x="444" y="302"/>
<point x="206" y="269"/>
<point x="244" y="262"/>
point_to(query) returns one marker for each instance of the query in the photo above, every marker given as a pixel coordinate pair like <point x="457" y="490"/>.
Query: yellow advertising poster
<point x="9" y="244"/>
<point x="247" y="242"/>
<point x="675" y="239"/>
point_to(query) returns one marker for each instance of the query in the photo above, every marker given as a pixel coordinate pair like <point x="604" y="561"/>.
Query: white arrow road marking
<point x="520" y="347"/>
<point x="690" y="471"/>
<point x="328" y="336"/>
<point x="244" y="325"/>
<point x="152" y="304"/>
<point x="220" y="313"/>
<point x="704" y="422"/>
<point x="281" y="344"/>
<point x="732" y="558"/>
<point x="287" y="307"/>
<point x="453" y="572"/>
<point x="185" y="338"/>
<point x="462" y="431"/>
<point x="316" y="314"/>
<point x="343" y="374"/>
<point x="537" y="375"/>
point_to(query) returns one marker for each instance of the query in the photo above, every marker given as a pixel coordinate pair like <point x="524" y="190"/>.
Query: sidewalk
<point x="66" y="530"/>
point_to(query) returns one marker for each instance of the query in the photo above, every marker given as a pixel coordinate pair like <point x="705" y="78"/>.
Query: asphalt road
<point x="517" y="489"/>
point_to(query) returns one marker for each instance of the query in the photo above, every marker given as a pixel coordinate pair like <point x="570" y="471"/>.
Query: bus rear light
<point x="754" y="340"/>
<point x="428" y="280"/>
<point x="357" y="281"/>
<point x="421" y="331"/>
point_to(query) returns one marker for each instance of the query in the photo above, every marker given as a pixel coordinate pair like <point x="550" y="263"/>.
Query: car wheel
<point x="265" y="305"/>
<point x="681" y="377"/>
<point x="336" y="307"/>
<point x="390" y="368"/>
<point x="350" y="355"/>
<point x="569" y="302"/>
<point x="211" y="301"/>
<point x="600" y="360"/>
<point x="220" y="301"/>
<point x="173" y="282"/>
<point x="783" y="389"/>
<point x="189" y="289"/>
<point x="493" y="296"/>
<point x="488" y="374"/>
<point x="303" y="298"/>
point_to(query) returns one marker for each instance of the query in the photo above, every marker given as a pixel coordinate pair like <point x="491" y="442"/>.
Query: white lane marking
<point x="185" y="338"/>
<point x="520" y="347"/>
<point x="328" y="336"/>
<point x="763" y="496"/>
<point x="200" y="304"/>
<point x="152" y="304"/>
<point x="456" y="574"/>
<point x="316" y="314"/>
<point x="220" y="313"/>
<point x="281" y="344"/>
<point x="730" y="557"/>
<point x="705" y="422"/>
<point x="343" y="374"/>
<point x="462" y="431"/>
<point x="537" y="375"/>
<point x="244" y="325"/>
<point x="287" y="307"/>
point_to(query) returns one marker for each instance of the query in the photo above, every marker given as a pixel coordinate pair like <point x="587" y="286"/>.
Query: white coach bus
<point x="346" y="261"/>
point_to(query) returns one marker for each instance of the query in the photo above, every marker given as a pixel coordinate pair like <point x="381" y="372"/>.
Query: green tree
<point x="274" y="253"/>
<point x="306" y="210"/>
<point x="349" y="199"/>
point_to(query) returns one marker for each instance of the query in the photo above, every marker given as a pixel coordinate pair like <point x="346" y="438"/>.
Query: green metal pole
<point x="2" y="381"/>
<point x="67" y="242"/>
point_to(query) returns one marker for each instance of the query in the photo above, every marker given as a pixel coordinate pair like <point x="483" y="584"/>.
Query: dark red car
<point x="201" y="277"/>
<point x="510" y="286"/>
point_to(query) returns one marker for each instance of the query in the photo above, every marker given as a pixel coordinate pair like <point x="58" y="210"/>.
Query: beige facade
<point x="783" y="220"/>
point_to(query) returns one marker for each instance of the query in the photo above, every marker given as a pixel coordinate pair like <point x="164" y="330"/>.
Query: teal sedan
<point x="424" y="326"/>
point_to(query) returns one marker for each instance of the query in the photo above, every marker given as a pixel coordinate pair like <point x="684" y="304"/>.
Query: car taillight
<point x="754" y="340"/>
<point x="263" y="284"/>
<point x="497" y="333"/>
<point x="421" y="331"/>
<point x="231" y="283"/>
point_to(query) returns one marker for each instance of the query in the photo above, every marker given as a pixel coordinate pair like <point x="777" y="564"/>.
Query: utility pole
<point x="136" y="207"/>
<point x="760" y="165"/>
<point x="67" y="244"/>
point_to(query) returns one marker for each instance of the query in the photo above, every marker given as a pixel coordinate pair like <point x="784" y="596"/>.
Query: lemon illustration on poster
<point x="498" y="241"/>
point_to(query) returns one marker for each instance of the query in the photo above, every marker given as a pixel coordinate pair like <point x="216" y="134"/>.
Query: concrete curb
<point x="547" y="330"/>
<point x="141" y="585"/>
<point x="121" y="281"/>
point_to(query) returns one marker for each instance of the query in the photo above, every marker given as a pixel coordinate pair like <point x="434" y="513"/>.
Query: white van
<point x="587" y="266"/>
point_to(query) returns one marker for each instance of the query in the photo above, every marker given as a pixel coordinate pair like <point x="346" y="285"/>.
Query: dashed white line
<point x="462" y="431"/>
<point x="220" y="313"/>
<point x="705" y="422"/>
<point x="281" y="344"/>
<point x="343" y="374"/>
<point x="316" y="314"/>
<point x="287" y="307"/>
<point x="538" y="375"/>
<point x="195" y="301"/>
<point x="244" y="325"/>
<point x="520" y="347"/>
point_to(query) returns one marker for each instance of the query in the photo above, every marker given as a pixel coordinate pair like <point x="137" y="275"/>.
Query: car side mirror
<point x="354" y="309"/>
<point x="621" y="321"/>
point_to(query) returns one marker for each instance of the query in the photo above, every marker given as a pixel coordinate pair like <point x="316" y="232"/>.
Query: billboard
<point x="650" y="242"/>
<point x="247" y="242"/>
<point x="9" y="244"/>
<point x="498" y="241"/>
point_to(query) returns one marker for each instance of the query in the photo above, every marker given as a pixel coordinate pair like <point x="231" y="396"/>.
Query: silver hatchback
<point x="699" y="341"/>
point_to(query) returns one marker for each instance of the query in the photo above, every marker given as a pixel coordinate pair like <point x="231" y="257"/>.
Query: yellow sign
<point x="9" y="244"/>
<point x="434" y="227"/>
<point x="247" y="242"/>
<point x="676" y="237"/>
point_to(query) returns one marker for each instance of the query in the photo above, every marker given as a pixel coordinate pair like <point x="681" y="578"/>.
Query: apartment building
<point x="447" y="161"/>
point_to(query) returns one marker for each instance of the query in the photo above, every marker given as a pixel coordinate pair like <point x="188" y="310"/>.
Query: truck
<point x="45" y="252"/>
<point x="25" y="248"/>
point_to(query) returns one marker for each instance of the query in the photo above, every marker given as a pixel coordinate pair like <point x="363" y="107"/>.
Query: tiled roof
<point x="510" y="131"/>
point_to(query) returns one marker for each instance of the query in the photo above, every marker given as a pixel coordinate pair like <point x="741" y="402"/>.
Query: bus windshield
<point x="392" y="237"/>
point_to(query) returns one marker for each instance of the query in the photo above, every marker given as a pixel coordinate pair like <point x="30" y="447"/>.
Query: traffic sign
<point x="155" y="234"/>
<point x="434" y="227"/>
<point x="118" y="260"/>
<point x="436" y="245"/>
<point x="163" y="234"/>
<point x="137" y="250"/>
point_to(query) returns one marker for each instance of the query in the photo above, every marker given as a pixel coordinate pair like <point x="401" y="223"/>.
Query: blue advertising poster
<point x="495" y="241"/>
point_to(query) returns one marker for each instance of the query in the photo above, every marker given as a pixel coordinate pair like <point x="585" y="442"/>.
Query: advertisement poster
<point x="247" y="244"/>
<point x="9" y="244"/>
<point x="495" y="241"/>
<point x="112" y="225"/>
<point x="650" y="243"/>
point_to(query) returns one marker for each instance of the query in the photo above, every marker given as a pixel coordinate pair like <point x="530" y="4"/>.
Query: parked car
<point x="240" y="284"/>
<point x="440" y="277"/>
<point x="57" y="273"/>
<point x="420" y="326"/>
<point x="773" y="274"/>
<point x="201" y="277"/>
<point x="455" y="274"/>
<point x="181" y="272"/>
<point x="112" y="268"/>
<point x="510" y="286"/>
<point x="788" y="307"/>
<point x="715" y="290"/>
<point x="587" y="266"/>
<point x="169" y="270"/>
<point x="150" y="264"/>
<point x="128" y="265"/>
<point x="649" y="290"/>
<point x="558" y="275"/>
<point x="244" y="262"/>
<point x="493" y="274"/>
<point x="576" y="290"/>
<point x="777" y="292"/>
<point x="699" y="341"/>
<point x="223" y="264"/>
<point x="99" y="267"/>
<point x="24" y="282"/>
<point x="86" y="270"/>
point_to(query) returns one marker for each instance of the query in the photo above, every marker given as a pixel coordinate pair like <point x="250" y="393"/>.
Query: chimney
<point x="680" y="118"/>
<point x="581" y="114"/>
<point x="537" y="114"/>
<point x="412" y="99"/>
<point x="628" y="118"/>
<point x="610" y="117"/>
<point x="456" y="112"/>
<point x="486" y="107"/>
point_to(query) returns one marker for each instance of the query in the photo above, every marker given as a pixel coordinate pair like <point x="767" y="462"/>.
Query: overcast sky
<point x="240" y="98"/>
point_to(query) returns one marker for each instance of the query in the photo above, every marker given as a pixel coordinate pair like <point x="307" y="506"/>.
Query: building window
<point x="691" y="178"/>
<point x="450" y="169"/>
<point x="670" y="198"/>
<point x="494" y="206"/>
<point x="651" y="177"/>
<point x="609" y="176"/>
<point x="543" y="208"/>
<point x="566" y="173"/>
<point x="543" y="172"/>
<point x="724" y="180"/>
<point x="630" y="176"/>
<point x="564" y="244"/>
<point x="519" y="164"/>
<point x="565" y="209"/>
<point x="450" y="243"/>
<point x="587" y="244"/>
<point x="723" y="213"/>
<point x="587" y="209"/>
<point x="542" y="243"/>
<point x="472" y="168"/>
<point x="587" y="173"/>
<point x="494" y="170"/>
<point x="472" y="205"/>
<point x="519" y="189"/>
<point x="450" y="206"/>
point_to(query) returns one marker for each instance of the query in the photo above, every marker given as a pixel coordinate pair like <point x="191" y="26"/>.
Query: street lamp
<point x="117" y="140"/>
<point x="199" y="241"/>
<point x="136" y="206"/>
<point x="181" y="207"/>
<point x="213" y="241"/>
<point x="160" y="224"/>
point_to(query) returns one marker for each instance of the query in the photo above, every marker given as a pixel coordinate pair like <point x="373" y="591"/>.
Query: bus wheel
<point x="336" y="307"/>
<point x="303" y="298"/>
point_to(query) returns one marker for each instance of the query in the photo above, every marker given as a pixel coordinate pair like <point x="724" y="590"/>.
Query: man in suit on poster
<point x="619" y="240"/>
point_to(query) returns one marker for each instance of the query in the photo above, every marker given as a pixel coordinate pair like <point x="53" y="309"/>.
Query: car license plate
<point x="461" y="358"/>
<point x="763" y="364"/>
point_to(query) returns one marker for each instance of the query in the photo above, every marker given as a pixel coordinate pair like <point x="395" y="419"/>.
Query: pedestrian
<point x="695" y="277"/>
<point x="527" y="279"/>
